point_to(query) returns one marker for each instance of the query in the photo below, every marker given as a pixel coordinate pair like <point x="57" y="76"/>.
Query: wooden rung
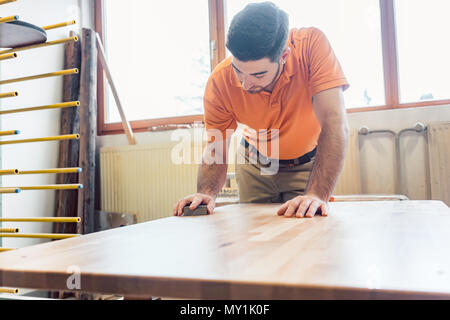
<point x="41" y="76"/>
<point x="9" y="230"/>
<point x="9" y="190"/>
<point x="40" y="45"/>
<point x="39" y="235"/>
<point x="43" y="219"/>
<point x="55" y="138"/>
<point x="9" y="19"/>
<point x="58" y="170"/>
<point x="46" y="107"/>
<point x="6" y="290"/>
<point x="9" y="94"/>
<point x="59" y="25"/>
<point x="53" y="187"/>
<point x="9" y="132"/>
<point x="6" y="249"/>
<point x="8" y="56"/>
<point x="6" y="1"/>
<point x="8" y="172"/>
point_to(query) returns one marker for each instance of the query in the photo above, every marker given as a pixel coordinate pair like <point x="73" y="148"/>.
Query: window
<point x="423" y="49"/>
<point x="159" y="57"/>
<point x="393" y="52"/>
<point x="353" y="29"/>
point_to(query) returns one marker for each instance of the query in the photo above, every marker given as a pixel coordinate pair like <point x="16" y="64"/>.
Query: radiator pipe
<point x="418" y="127"/>
<point x="365" y="131"/>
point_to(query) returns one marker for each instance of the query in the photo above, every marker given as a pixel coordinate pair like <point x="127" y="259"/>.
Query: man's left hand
<point x="304" y="206"/>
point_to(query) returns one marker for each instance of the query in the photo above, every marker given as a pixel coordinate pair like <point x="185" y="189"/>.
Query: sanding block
<point x="201" y="210"/>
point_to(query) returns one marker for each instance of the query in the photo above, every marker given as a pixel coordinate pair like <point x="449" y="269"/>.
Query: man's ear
<point x="285" y="55"/>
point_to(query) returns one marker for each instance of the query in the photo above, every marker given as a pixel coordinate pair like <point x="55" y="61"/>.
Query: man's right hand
<point x="195" y="200"/>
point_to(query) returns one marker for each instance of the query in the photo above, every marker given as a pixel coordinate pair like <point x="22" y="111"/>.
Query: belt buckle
<point x="266" y="160"/>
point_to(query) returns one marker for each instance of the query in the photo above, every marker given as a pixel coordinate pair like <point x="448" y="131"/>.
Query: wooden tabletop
<point x="362" y="250"/>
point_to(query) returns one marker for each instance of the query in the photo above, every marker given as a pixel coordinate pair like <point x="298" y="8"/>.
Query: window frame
<point x="217" y="39"/>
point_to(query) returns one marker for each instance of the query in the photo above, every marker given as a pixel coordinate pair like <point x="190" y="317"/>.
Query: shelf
<point x="18" y="33"/>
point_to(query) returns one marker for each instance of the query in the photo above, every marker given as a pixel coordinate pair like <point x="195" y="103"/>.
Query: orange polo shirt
<point x="287" y="113"/>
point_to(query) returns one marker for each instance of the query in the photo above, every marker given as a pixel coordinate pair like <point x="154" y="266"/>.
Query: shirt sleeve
<point x="219" y="121"/>
<point x="325" y="72"/>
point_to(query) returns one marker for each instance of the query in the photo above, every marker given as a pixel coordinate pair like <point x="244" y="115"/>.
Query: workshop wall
<point x="34" y="124"/>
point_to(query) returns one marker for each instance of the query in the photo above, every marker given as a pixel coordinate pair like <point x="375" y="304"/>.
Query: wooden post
<point x="88" y="129"/>
<point x="69" y="150"/>
<point x="67" y="201"/>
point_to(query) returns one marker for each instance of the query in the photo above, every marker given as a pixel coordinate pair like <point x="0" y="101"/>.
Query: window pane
<point x="423" y="33"/>
<point x="354" y="31"/>
<point x="158" y="52"/>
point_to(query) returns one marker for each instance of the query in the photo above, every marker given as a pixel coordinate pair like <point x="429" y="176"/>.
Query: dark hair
<point x="259" y="31"/>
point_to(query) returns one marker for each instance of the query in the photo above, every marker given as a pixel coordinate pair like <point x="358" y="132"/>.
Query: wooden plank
<point x="88" y="130"/>
<point x="369" y="197"/>
<point x="362" y="250"/>
<point x="125" y="124"/>
<point x="389" y="47"/>
<point x="101" y="92"/>
<point x="66" y="201"/>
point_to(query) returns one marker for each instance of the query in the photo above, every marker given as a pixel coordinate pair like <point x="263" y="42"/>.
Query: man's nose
<point x="246" y="83"/>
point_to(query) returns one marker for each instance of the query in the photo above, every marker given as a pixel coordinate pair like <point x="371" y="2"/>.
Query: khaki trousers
<point x="254" y="187"/>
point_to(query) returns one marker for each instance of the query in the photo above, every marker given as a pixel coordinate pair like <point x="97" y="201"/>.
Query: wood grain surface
<point x="69" y="150"/>
<point x="362" y="250"/>
<point x="88" y="131"/>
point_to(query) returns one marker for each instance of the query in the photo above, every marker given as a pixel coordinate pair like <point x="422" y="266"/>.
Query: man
<point x="286" y="87"/>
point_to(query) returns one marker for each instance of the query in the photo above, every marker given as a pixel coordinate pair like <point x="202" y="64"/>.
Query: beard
<point x="258" y="89"/>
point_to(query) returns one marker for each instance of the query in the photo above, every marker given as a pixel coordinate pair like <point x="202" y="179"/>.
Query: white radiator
<point x="143" y="180"/>
<point x="349" y="181"/>
<point x="439" y="159"/>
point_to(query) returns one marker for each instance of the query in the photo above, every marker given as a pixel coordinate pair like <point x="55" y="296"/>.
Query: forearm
<point x="329" y="159"/>
<point x="213" y="170"/>
<point x="211" y="178"/>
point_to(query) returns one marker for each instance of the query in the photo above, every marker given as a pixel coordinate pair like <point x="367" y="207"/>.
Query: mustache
<point x="255" y="89"/>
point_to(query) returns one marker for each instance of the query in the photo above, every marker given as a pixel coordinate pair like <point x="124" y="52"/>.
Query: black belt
<point x="307" y="157"/>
